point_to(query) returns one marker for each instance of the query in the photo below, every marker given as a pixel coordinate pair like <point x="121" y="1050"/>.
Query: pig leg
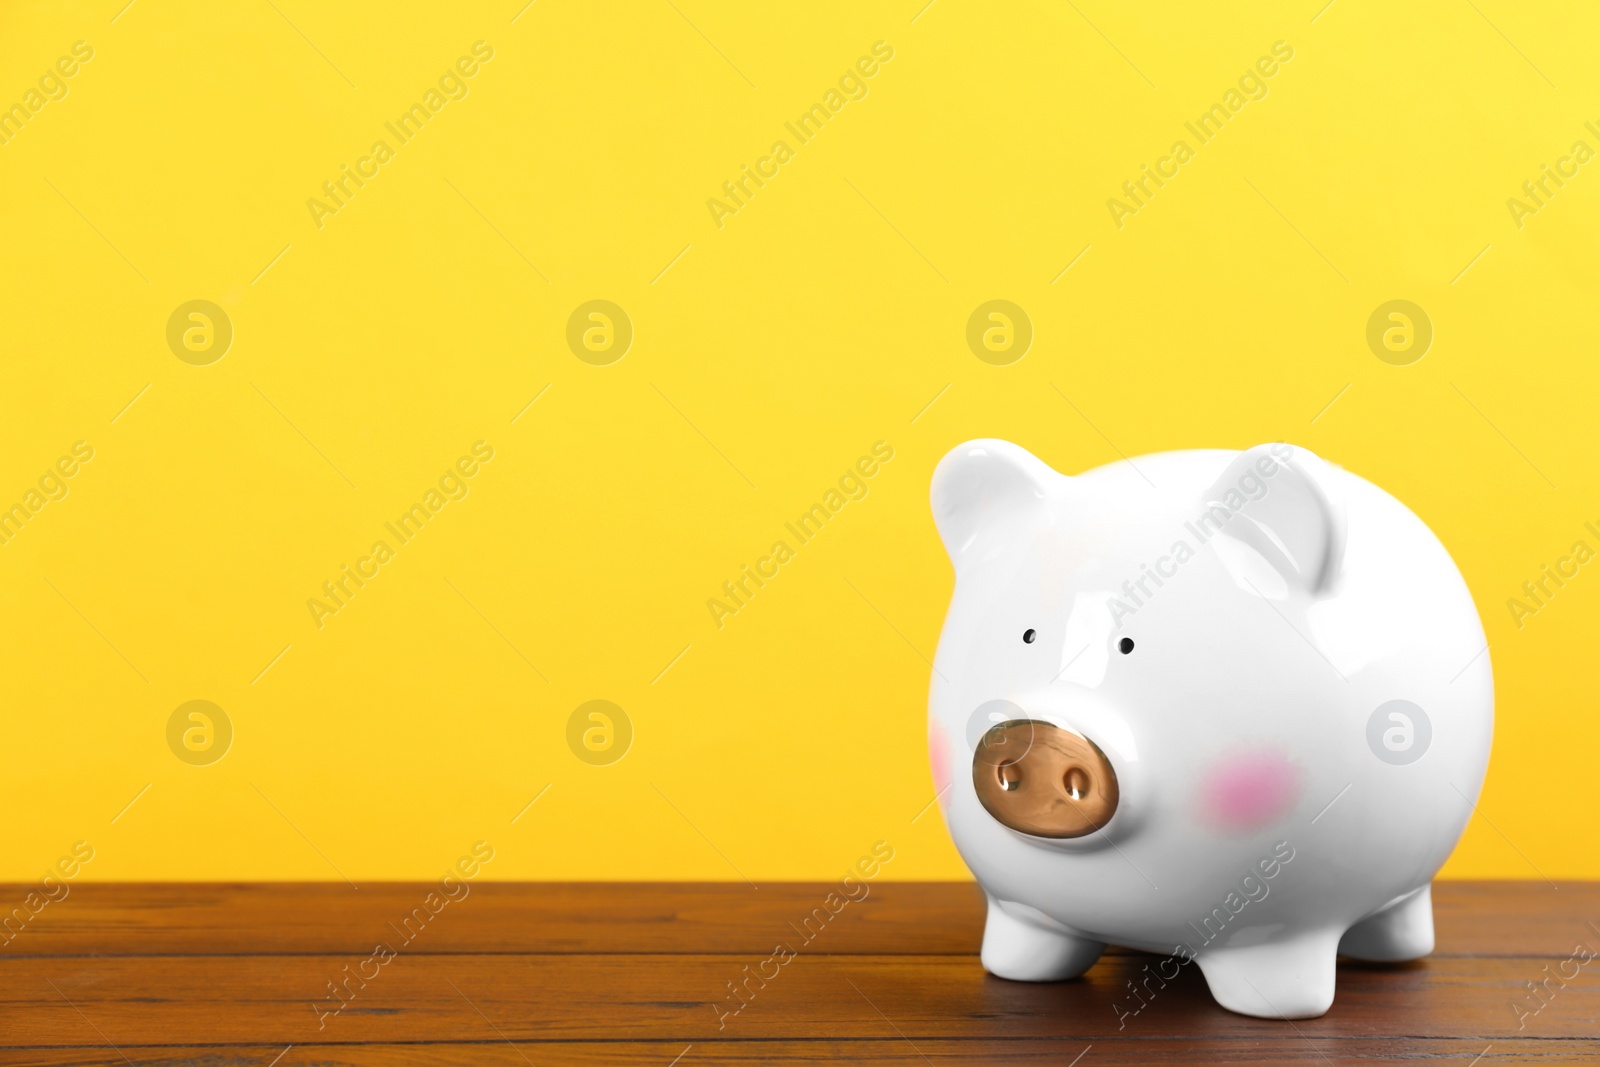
<point x="1290" y="978"/>
<point x="1024" y="950"/>
<point x="1402" y="931"/>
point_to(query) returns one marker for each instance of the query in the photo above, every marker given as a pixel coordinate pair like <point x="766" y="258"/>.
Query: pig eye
<point x="1125" y="645"/>
<point x="1028" y="636"/>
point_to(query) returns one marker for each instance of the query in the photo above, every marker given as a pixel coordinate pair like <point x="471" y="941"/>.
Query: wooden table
<point x="638" y="974"/>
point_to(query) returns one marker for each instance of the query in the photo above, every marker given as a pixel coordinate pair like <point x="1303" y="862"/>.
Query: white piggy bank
<point x="1232" y="707"/>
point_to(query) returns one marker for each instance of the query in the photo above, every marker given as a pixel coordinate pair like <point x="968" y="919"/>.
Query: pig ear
<point x="1295" y="520"/>
<point x="985" y="488"/>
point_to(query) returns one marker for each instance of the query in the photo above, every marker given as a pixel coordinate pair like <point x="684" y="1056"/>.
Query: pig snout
<point x="1042" y="780"/>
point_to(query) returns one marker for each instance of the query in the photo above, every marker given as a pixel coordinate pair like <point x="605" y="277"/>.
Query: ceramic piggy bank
<point x="1230" y="707"/>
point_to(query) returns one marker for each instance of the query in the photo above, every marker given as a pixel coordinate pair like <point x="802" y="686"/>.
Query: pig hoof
<point x="1027" y="951"/>
<point x="1402" y="931"/>
<point x="1289" y="979"/>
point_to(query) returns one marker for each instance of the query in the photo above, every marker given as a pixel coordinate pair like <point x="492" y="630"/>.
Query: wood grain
<point x="929" y="918"/>
<point x="635" y="973"/>
<point x="1353" y="1051"/>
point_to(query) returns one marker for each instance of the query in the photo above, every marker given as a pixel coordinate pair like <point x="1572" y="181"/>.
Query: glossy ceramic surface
<point x="1283" y="676"/>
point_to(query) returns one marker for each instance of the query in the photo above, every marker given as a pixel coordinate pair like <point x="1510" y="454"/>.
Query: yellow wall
<point x="821" y="317"/>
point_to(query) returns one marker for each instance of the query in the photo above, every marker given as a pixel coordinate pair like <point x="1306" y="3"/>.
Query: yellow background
<point x="821" y="318"/>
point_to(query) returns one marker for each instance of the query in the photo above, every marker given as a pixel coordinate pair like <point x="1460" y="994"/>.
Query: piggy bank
<point x="1230" y="707"/>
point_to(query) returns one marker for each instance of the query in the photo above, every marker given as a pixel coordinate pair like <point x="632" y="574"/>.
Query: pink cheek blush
<point x="939" y="753"/>
<point x="1249" y="791"/>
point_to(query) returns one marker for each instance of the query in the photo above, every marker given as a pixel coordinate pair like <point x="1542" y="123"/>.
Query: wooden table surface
<point x="639" y="973"/>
